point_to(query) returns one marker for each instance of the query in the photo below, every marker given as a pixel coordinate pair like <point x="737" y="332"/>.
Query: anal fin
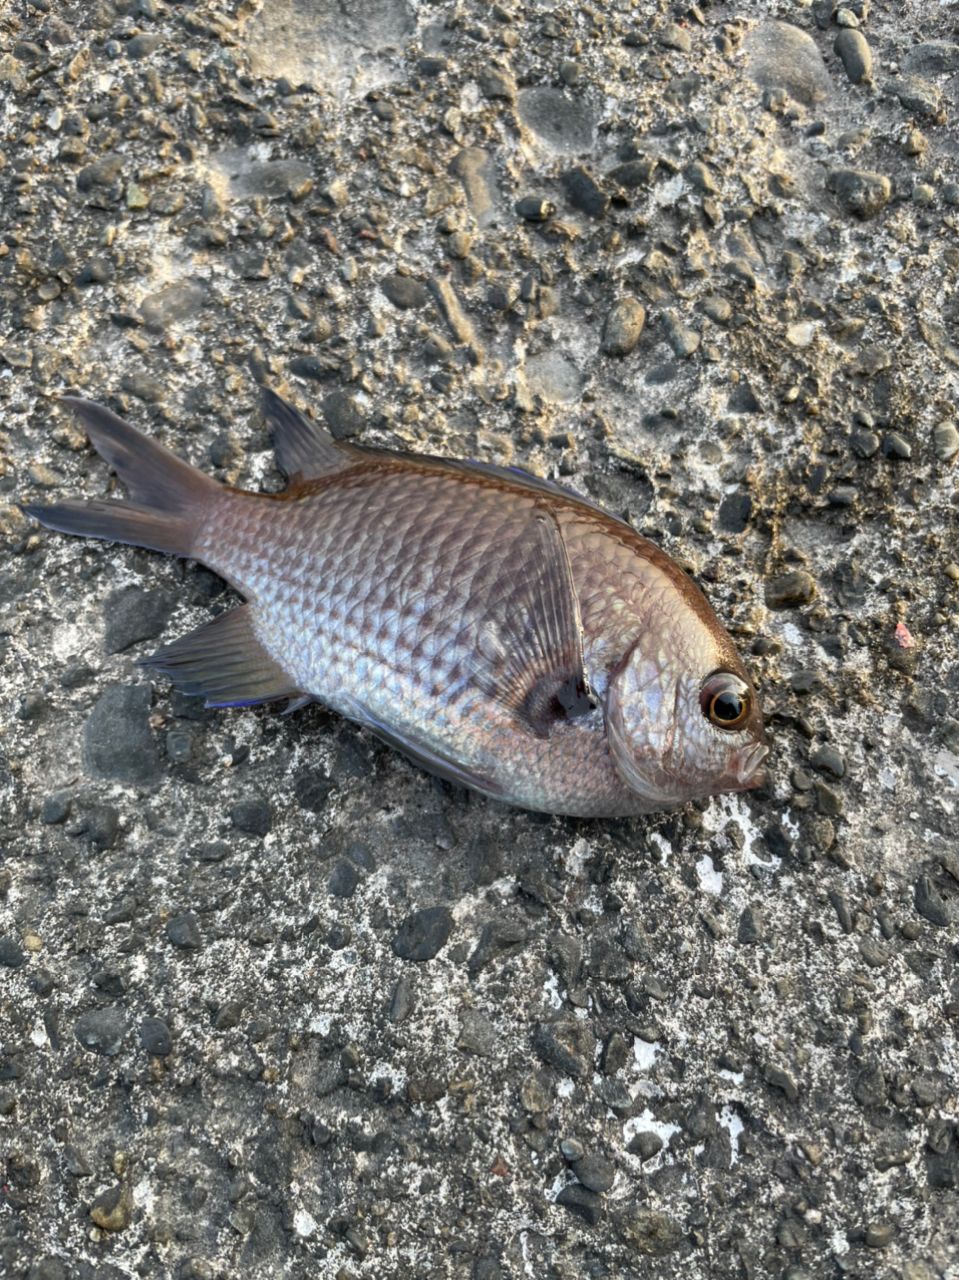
<point x="224" y="663"/>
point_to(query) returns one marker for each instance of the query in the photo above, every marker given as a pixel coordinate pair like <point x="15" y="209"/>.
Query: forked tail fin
<point x="169" y="497"/>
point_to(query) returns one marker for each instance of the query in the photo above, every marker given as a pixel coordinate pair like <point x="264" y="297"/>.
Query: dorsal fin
<point x="304" y="450"/>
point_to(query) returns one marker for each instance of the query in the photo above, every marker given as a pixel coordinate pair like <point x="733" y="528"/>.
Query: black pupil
<point x="727" y="706"/>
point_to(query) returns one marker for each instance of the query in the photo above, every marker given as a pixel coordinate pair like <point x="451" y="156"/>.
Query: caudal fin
<point x="169" y="497"/>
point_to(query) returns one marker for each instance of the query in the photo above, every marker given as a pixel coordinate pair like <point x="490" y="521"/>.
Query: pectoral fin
<point x="529" y="647"/>
<point x="224" y="663"/>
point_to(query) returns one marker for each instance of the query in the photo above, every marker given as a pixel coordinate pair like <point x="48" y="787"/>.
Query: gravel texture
<point x="275" y="1003"/>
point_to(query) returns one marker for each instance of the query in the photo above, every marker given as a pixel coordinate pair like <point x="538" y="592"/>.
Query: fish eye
<point x="725" y="700"/>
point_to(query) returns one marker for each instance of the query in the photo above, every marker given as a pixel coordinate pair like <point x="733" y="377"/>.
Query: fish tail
<point x="170" y="499"/>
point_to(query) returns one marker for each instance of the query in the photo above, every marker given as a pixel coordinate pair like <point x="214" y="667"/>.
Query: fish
<point x="500" y="630"/>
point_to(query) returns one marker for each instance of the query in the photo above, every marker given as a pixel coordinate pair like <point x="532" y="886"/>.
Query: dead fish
<point x="503" y="632"/>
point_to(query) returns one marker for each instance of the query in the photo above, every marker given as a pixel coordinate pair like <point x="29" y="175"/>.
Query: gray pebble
<point x="584" y="193"/>
<point x="700" y="176"/>
<point x="534" y="208"/>
<point x="623" y="327"/>
<point x="932" y="58"/>
<point x="742" y="399"/>
<point x="144" y="44"/>
<point x="584" y="1203"/>
<point x="945" y="441"/>
<point x="828" y="760"/>
<point x="155" y="1037"/>
<point x="917" y="96"/>
<point x="931" y="904"/>
<point x="253" y="816"/>
<point x="566" y="1045"/>
<point x="783" y="57"/>
<point x="423" y="934"/>
<point x="790" y="590"/>
<point x="56" y="807"/>
<point x="139" y="384"/>
<point x="133" y="615"/>
<point x="595" y="1172"/>
<point x="343" y="415"/>
<point x="563" y="122"/>
<point x="683" y="340"/>
<point x="781" y="1079"/>
<point x="118" y="743"/>
<point x="865" y="444"/>
<point x="477" y="1034"/>
<point x="311" y="789"/>
<point x="101" y="1030"/>
<point x="861" y="192"/>
<point x="646" y="1144"/>
<point x="895" y="445"/>
<point x="11" y="953"/>
<point x="344" y="879"/>
<point x="856" y="56"/>
<point x="404" y="293"/>
<point x="879" y="1234"/>
<point x="752" y="927"/>
<point x="675" y="37"/>
<point x="183" y="931"/>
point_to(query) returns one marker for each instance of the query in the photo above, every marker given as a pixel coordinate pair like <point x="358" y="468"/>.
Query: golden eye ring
<point x="726" y="701"/>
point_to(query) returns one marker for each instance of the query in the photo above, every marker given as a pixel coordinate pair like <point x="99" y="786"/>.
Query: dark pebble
<point x="149" y="390"/>
<point x="534" y="208"/>
<point x="650" y="1232"/>
<point x="343" y="415"/>
<point x="879" y="1234"/>
<point x="99" y="825"/>
<point x="423" y="933"/>
<point x="581" y="1201"/>
<point x="645" y="1144"/>
<point x="895" y="445"/>
<point x="184" y="931"/>
<point x="865" y="444"/>
<point x="133" y="615"/>
<point x="254" y="816"/>
<point x="853" y="50"/>
<point x="742" y="399"/>
<point x="11" y="953"/>
<point x="751" y="926"/>
<point x="56" y="807"/>
<point x="102" y="173"/>
<point x="780" y="1079"/>
<point x="566" y="1045"/>
<point x="595" y="1172"/>
<point x="343" y="879"/>
<point x="101" y="1030"/>
<point x="404" y="292"/>
<point x="624" y="327"/>
<point x="790" y="590"/>
<point x="155" y="1037"/>
<point x="311" y="789"/>
<point x="734" y="512"/>
<point x="931" y="904"/>
<point x="144" y="44"/>
<point x="118" y="743"/>
<point x="861" y="192"/>
<point x="828" y="760"/>
<point x="96" y="271"/>
<point x="584" y="193"/>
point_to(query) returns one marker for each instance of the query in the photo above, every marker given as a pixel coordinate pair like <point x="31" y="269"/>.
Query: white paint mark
<point x="710" y="880"/>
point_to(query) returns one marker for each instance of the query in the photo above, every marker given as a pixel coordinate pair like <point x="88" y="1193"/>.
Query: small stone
<point x="252" y="265"/>
<point x="742" y="399"/>
<point x="931" y="904"/>
<point x="253" y="816"/>
<point x="11" y="953"/>
<point x="645" y="1144"/>
<point x="879" y="1234"/>
<point x="828" y="760"/>
<point x="423" y="934"/>
<point x="650" y="1232"/>
<point x="801" y="334"/>
<point x="865" y="443"/>
<point x="683" y="340"/>
<point x="790" y="590"/>
<point x="853" y="50"/>
<point x="584" y="1203"/>
<point x="860" y="192"/>
<point x="566" y="1045"/>
<point x="155" y="1037"/>
<point x="945" y="441"/>
<point x="782" y="57"/>
<point x="735" y="511"/>
<point x="700" y="176"/>
<point x="917" y="96"/>
<point x="718" y="309"/>
<point x="895" y="445"/>
<point x="344" y="879"/>
<point x="675" y="37"/>
<point x="535" y="208"/>
<point x="118" y="744"/>
<point x="560" y="121"/>
<point x="101" y="1030"/>
<point x="623" y="327"/>
<point x="780" y="1079"/>
<point x="133" y="615"/>
<point x="495" y="83"/>
<point x="311" y="789"/>
<point x="584" y="192"/>
<point x="184" y="931"/>
<point x="932" y="58"/>
<point x="112" y="1210"/>
<point x="751" y="925"/>
<point x="404" y="293"/>
<point x="144" y="44"/>
<point x="477" y="1034"/>
<point x="595" y="1172"/>
<point x="343" y="415"/>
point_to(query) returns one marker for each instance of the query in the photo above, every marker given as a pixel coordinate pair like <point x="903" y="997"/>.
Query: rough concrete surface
<point x="273" y="1002"/>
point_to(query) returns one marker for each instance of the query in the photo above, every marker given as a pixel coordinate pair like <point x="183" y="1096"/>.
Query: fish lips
<point x="746" y="771"/>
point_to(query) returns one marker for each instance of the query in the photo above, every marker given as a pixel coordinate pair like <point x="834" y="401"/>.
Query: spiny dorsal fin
<point x="304" y="450"/>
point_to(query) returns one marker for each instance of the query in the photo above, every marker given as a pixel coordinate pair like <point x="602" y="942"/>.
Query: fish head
<point x="684" y="721"/>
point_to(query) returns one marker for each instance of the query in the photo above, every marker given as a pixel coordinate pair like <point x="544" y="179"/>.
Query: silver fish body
<point x="501" y="631"/>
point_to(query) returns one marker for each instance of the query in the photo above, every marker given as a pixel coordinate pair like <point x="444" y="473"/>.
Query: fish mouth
<point x="747" y="772"/>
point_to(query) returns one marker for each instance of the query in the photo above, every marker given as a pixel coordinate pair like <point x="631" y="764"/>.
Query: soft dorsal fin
<point x="304" y="450"/>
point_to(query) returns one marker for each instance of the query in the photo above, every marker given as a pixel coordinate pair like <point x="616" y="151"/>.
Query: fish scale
<point x="503" y="632"/>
